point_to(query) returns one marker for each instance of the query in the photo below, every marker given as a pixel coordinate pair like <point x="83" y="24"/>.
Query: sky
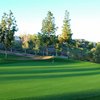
<point x="84" y="15"/>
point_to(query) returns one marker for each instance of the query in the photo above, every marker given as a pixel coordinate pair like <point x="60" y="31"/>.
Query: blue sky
<point x="84" y="15"/>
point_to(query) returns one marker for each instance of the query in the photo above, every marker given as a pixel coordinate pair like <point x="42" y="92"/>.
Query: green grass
<point x="45" y="80"/>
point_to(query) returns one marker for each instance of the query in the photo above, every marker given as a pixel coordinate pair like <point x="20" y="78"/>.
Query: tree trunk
<point x="56" y="53"/>
<point x="46" y="51"/>
<point x="35" y="52"/>
<point x="5" y="53"/>
<point x="11" y="50"/>
<point x="43" y="52"/>
<point x="25" y="51"/>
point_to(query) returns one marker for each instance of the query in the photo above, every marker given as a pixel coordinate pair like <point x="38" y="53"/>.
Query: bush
<point x="97" y="53"/>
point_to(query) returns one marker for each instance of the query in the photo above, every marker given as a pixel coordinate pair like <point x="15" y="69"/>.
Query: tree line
<point x="47" y="42"/>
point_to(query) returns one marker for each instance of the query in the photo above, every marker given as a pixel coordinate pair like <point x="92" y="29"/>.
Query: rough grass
<point x="52" y="79"/>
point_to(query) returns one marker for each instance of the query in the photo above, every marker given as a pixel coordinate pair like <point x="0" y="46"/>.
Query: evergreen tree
<point x="48" y="25"/>
<point x="65" y="36"/>
<point x="48" y="30"/>
<point x="66" y="31"/>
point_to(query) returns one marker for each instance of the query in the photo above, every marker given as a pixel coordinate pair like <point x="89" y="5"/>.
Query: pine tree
<point x="48" y="25"/>
<point x="48" y="30"/>
<point x="66" y="31"/>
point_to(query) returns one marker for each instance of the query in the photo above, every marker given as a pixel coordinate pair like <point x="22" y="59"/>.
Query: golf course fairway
<point x="53" y="79"/>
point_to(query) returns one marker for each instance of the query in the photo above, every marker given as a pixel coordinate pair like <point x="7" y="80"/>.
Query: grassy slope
<point x="45" y="80"/>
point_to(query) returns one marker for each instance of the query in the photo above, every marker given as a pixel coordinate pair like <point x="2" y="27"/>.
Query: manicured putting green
<point x="49" y="80"/>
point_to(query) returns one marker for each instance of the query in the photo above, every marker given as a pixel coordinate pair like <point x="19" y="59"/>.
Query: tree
<point x="34" y="43"/>
<point x="42" y="44"/>
<point x="48" y="29"/>
<point x="91" y="55"/>
<point x="57" y="45"/>
<point x="97" y="53"/>
<point x="17" y="46"/>
<point x="65" y="36"/>
<point x="25" y="39"/>
<point x="8" y="28"/>
<point x="66" y="31"/>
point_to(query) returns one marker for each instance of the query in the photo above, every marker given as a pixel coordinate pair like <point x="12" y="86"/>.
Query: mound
<point x="42" y="57"/>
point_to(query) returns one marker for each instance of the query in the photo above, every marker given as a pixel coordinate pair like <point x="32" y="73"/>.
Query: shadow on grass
<point x="47" y="70"/>
<point x="94" y="95"/>
<point x="48" y="62"/>
<point x="19" y="77"/>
